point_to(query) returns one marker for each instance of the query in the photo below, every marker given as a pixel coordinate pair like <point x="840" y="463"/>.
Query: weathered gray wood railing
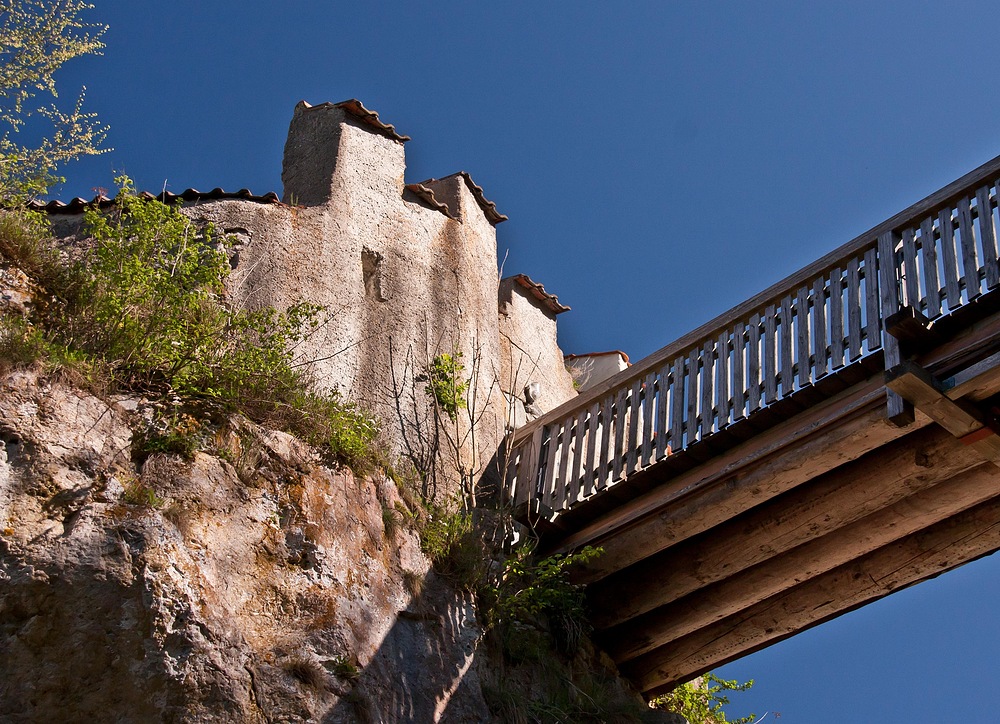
<point x="936" y="256"/>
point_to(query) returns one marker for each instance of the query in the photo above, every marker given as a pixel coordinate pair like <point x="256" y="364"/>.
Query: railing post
<point x="899" y="412"/>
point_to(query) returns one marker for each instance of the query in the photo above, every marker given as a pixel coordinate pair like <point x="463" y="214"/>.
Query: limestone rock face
<point x="263" y="587"/>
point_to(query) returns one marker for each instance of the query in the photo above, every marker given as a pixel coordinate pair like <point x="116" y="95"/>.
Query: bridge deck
<point x="759" y="476"/>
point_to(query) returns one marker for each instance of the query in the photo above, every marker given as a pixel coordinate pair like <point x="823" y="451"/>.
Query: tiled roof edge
<point x="357" y="109"/>
<point x="427" y="195"/>
<point x="77" y="205"/>
<point x="538" y="292"/>
<point x="489" y="208"/>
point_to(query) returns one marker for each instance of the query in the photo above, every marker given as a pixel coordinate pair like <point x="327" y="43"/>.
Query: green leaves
<point x="701" y="701"/>
<point x="445" y="383"/>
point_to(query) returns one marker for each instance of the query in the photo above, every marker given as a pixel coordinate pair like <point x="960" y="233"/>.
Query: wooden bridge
<point x="813" y="449"/>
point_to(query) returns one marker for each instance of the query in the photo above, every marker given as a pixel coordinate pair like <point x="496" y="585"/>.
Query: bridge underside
<point x="815" y="512"/>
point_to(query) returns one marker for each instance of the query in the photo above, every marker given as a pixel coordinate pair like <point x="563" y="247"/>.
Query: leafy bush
<point x="144" y="304"/>
<point x="445" y="384"/>
<point x="701" y="701"/>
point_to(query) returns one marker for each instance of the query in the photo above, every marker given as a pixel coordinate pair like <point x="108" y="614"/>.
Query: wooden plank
<point x="898" y="410"/>
<point x="560" y="498"/>
<point x="551" y="463"/>
<point x="753" y="366"/>
<point x="796" y="450"/>
<point x="853" y="309"/>
<point x="988" y="237"/>
<point x="911" y="277"/>
<point x="787" y="365"/>
<point x="819" y="327"/>
<point x="739" y="383"/>
<point x="919" y="556"/>
<point x="606" y="432"/>
<point x="967" y="240"/>
<point x="820" y="507"/>
<point x="634" y="421"/>
<point x="873" y="322"/>
<point x="706" y="410"/>
<point x="527" y="481"/>
<point x="677" y="406"/>
<point x="620" y="418"/>
<point x="949" y="264"/>
<point x="739" y="591"/>
<point x="932" y="287"/>
<point x="593" y="441"/>
<point x="575" y="483"/>
<point x="836" y="318"/>
<point x="663" y="394"/>
<point x="650" y="410"/>
<point x="693" y="374"/>
<point x="722" y="379"/>
<point x="802" y="354"/>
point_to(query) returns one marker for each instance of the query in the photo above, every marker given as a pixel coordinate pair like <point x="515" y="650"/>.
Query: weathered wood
<point x="575" y="483"/>
<point x="527" y="481"/>
<point x="634" y="420"/>
<point x="739" y="381"/>
<point x="606" y="431"/>
<point x="819" y="326"/>
<point x="767" y="465"/>
<point x="911" y="278"/>
<point x="836" y="318"/>
<point x="932" y="287"/>
<point x="739" y="591"/>
<point x="593" y="432"/>
<point x="988" y="237"/>
<point x="873" y="327"/>
<point x="620" y="418"/>
<point x="967" y="240"/>
<point x="837" y="498"/>
<point x="898" y="410"/>
<point x="664" y="392"/>
<point x="802" y="354"/>
<point x="787" y="360"/>
<point x="949" y="264"/>
<point x="677" y="405"/>
<point x="565" y="452"/>
<point x="693" y="374"/>
<point x="706" y="409"/>
<point x="853" y="309"/>
<point x="722" y="379"/>
<point x="917" y="557"/>
<point x="914" y="332"/>
<point x="650" y="410"/>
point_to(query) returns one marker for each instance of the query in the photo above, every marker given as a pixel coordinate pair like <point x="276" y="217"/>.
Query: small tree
<point x="36" y="38"/>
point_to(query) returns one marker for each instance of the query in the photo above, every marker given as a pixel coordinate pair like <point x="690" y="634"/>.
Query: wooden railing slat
<point x="988" y="237"/>
<point x="579" y="449"/>
<point x="722" y="379"/>
<point x="606" y="447"/>
<point x="665" y="391"/>
<point x="649" y="413"/>
<point x="819" y="326"/>
<point x="621" y="425"/>
<point x="836" y="318"/>
<point x="932" y="287"/>
<point x="967" y="239"/>
<point x="910" y="275"/>
<point x="635" y="420"/>
<point x="853" y="309"/>
<point x="593" y="432"/>
<point x="949" y="264"/>
<point x="739" y="381"/>
<point x="706" y="412"/>
<point x="677" y="405"/>
<point x="802" y="335"/>
<point x="770" y="355"/>
<point x="549" y="474"/>
<point x="787" y="361"/>
<point x="873" y="327"/>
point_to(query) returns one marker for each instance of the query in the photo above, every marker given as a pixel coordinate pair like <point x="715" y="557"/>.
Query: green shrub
<point x="445" y="384"/>
<point x="701" y="701"/>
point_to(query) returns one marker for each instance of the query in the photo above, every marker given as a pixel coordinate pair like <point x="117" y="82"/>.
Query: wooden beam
<point x="964" y="537"/>
<point x="818" y="440"/>
<point x="742" y="590"/>
<point x="837" y="498"/>
<point x="913" y="330"/>
<point x="961" y="419"/>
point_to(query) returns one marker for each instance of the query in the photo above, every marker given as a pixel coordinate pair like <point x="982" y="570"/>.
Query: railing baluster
<point x="634" y="422"/>
<point x="621" y="425"/>
<point x="649" y="412"/>
<point x="739" y="395"/>
<point x="787" y="360"/>
<point x="753" y="365"/>
<point x="873" y="327"/>
<point x="970" y="260"/>
<point x="802" y="335"/>
<point x="549" y="476"/>
<point x="836" y="318"/>
<point x="722" y="379"/>
<point x="770" y="356"/>
<point x="988" y="237"/>
<point x="593" y="440"/>
<point x="853" y="309"/>
<point x="707" y="408"/>
<point x="932" y="287"/>
<point x="606" y="413"/>
<point x="691" y="420"/>
<point x="949" y="263"/>
<point x="579" y="449"/>
<point x="666" y="390"/>
<point x="819" y="326"/>
<point x="898" y="410"/>
<point x="910" y="275"/>
<point x="677" y="406"/>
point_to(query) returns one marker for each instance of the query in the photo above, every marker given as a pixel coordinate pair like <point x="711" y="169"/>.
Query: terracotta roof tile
<point x="426" y="194"/>
<point x="489" y="208"/>
<point x="538" y="292"/>
<point x="357" y="109"/>
<point x="77" y="205"/>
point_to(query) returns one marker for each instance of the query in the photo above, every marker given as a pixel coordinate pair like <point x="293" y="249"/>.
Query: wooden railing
<point x="936" y="256"/>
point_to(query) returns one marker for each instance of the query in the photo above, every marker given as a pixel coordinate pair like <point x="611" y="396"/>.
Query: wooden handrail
<point x="833" y="307"/>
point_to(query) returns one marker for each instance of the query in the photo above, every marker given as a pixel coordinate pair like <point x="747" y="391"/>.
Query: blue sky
<point x="660" y="162"/>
